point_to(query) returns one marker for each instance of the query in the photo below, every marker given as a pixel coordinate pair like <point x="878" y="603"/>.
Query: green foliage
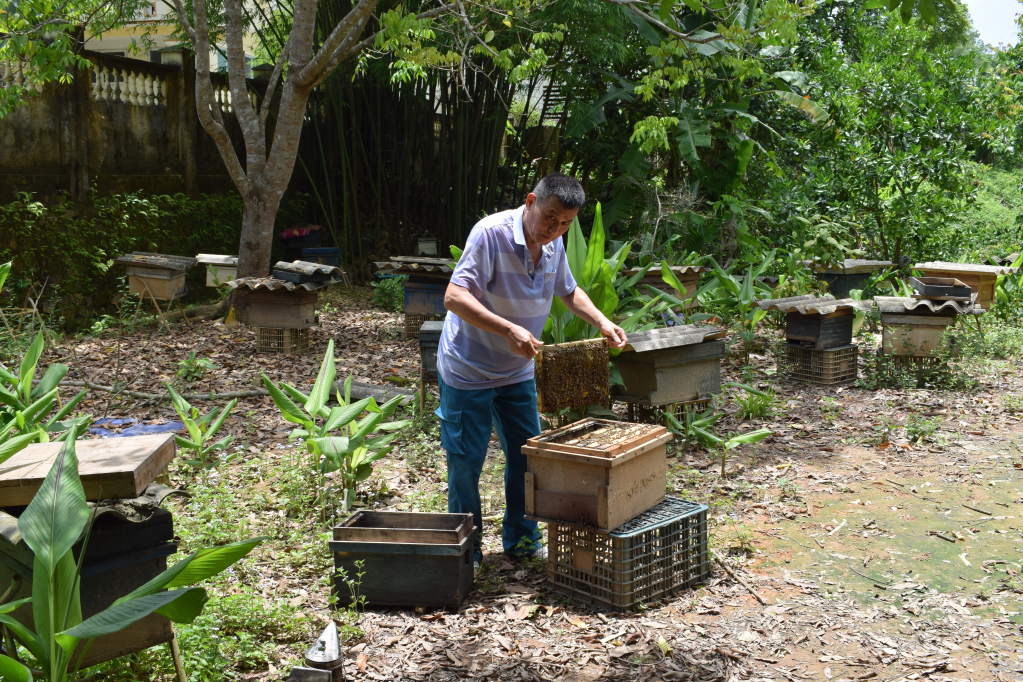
<point x="694" y="426"/>
<point x="755" y="404"/>
<point x="201" y="430"/>
<point x="51" y="525"/>
<point x="71" y="247"/>
<point x="351" y="454"/>
<point x="737" y="296"/>
<point x="920" y="429"/>
<point x="389" y="294"/>
<point x="26" y="411"/>
<point x="193" y="368"/>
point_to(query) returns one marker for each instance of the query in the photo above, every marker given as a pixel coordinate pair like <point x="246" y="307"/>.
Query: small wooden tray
<point x="404" y="527"/>
<point x="577" y="438"/>
<point x="110" y="468"/>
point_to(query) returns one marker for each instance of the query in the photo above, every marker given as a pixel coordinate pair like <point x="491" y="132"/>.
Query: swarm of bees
<point x="573" y="375"/>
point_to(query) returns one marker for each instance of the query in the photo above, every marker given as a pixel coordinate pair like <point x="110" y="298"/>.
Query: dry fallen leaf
<point x="360" y="662"/>
<point x="663" y="644"/>
<point x="582" y="625"/>
<point x="505" y="642"/>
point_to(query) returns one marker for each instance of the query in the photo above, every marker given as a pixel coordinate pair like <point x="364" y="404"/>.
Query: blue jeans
<point x="466" y="418"/>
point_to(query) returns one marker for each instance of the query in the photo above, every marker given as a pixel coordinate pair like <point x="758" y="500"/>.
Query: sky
<point x="995" y="20"/>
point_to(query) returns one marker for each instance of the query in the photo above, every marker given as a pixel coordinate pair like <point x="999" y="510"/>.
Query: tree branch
<point x="631" y="4"/>
<point x="343" y="33"/>
<point x="248" y="121"/>
<point x="264" y="108"/>
<point x="359" y="47"/>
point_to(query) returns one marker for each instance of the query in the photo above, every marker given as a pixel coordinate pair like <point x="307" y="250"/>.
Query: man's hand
<point x="614" y="334"/>
<point x="522" y="342"/>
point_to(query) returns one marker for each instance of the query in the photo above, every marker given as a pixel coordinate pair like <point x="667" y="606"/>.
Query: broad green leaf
<point x="692" y="134"/>
<point x="11" y="670"/>
<point x="706" y="434"/>
<point x="16" y="444"/>
<point x="594" y="251"/>
<point x="54" y="373"/>
<point x="28" y="366"/>
<point x="66" y="410"/>
<point x="284" y="403"/>
<point x="181" y="406"/>
<point x="196" y="567"/>
<point x="5" y="269"/>
<point x="631" y="281"/>
<point x="40" y="407"/>
<point x="126" y="613"/>
<point x="575" y="251"/>
<point x="12" y="605"/>
<point x="64" y="603"/>
<point x="54" y="519"/>
<point x="28" y="639"/>
<point x="11" y="399"/>
<point x="804" y="104"/>
<point x="320" y="394"/>
<point x="749" y="437"/>
<point x="341" y="416"/>
<point x="185" y="443"/>
<point x="215" y="426"/>
<point x="348" y="381"/>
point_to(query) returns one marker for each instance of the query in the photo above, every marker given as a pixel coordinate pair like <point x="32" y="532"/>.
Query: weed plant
<point x="389" y="293"/>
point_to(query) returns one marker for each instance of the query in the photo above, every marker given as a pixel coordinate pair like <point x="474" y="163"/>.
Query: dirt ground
<point x="880" y="553"/>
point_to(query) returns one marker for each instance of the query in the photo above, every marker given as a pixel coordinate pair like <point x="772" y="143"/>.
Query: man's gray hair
<point x="565" y="189"/>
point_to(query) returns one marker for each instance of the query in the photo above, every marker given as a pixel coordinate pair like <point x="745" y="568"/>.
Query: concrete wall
<point x="102" y="130"/>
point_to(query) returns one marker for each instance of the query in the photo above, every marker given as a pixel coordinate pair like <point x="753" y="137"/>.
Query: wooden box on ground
<point x="163" y="285"/>
<point x="424" y="298"/>
<point x="109" y="468"/>
<point x="980" y="278"/>
<point x="121" y="556"/>
<point x="664" y="376"/>
<point x="821" y="367"/>
<point x="277" y="340"/>
<point x="429" y="341"/>
<point x="282" y="309"/>
<point x="411" y="559"/>
<point x="916" y="335"/>
<point x="656" y="554"/>
<point x="820" y="331"/>
<point x="596" y="472"/>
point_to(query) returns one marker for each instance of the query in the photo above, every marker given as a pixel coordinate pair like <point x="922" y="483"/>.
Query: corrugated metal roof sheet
<point x="272" y="284"/>
<point x="672" y="337"/>
<point x="813" y="305"/>
<point x="943" y="266"/>
<point x="906" y="304"/>
<point x="400" y="268"/>
<point x="156" y="260"/>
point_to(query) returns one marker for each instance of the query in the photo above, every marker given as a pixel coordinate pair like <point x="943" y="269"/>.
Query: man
<point x="498" y="301"/>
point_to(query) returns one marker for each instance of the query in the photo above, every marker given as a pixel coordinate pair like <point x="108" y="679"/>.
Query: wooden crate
<point x="109" y="468"/>
<point x="573" y="475"/>
<point x="121" y="556"/>
<point x="820" y="331"/>
<point x="657" y="554"/>
<point x="410" y="559"/>
<point x="915" y="335"/>
<point x="282" y="309"/>
<point x="162" y="288"/>
<point x="670" y="375"/>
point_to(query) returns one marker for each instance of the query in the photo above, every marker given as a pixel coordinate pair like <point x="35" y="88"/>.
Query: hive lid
<point x="672" y="337"/>
<point x="273" y="284"/>
<point x="404" y="527"/>
<point x="850" y="266"/>
<point x="944" y="266"/>
<point x="156" y="260"/>
<point x="214" y="259"/>
<point x="813" y="305"/>
<point x="905" y="304"/>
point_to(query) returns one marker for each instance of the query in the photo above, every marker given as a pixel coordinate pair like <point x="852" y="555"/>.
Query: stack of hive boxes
<point x="818" y="347"/>
<point x="424" y="289"/>
<point x="614" y="538"/>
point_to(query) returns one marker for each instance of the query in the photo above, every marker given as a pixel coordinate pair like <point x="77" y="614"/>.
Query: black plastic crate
<point x="659" y="553"/>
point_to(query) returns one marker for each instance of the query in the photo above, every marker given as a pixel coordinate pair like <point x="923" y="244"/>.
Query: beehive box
<point x="665" y="376"/>
<point x="424" y="298"/>
<point x="429" y="342"/>
<point x="410" y="559"/>
<point x="656" y="554"/>
<point x="219" y="269"/>
<point x="572" y="375"/>
<point x="687" y="275"/>
<point x="163" y="285"/>
<point x="282" y="309"/>
<point x="596" y="472"/>
<point x="980" y="278"/>
<point x="121" y="556"/>
<point x="820" y="331"/>
<point x="915" y="335"/>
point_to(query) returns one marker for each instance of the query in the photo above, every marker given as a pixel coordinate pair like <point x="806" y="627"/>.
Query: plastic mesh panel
<point x="277" y="340"/>
<point x="414" y="322"/>
<point x="822" y="367"/>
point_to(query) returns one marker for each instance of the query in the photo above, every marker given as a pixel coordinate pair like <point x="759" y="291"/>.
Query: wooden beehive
<point x="820" y="331"/>
<point x="219" y="269"/>
<point x="669" y="366"/>
<point x="121" y="556"/>
<point x="596" y="472"/>
<point x="410" y="559"/>
<point x="573" y="375"/>
<point x="980" y="278"/>
<point x="913" y="335"/>
<point x="282" y="309"/>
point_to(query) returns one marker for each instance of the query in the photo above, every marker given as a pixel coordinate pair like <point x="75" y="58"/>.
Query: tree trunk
<point x="254" y="250"/>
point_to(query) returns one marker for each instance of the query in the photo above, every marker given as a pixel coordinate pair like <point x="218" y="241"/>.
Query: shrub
<point x="389" y="294"/>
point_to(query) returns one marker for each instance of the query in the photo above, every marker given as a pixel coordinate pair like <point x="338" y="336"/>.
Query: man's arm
<point x="461" y="302"/>
<point x="582" y="307"/>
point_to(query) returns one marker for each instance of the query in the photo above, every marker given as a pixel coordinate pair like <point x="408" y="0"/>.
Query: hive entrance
<point x="573" y="375"/>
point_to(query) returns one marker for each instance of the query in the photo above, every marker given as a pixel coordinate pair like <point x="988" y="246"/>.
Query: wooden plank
<point x="603" y="516"/>
<point x="571" y="507"/>
<point x="530" y="487"/>
<point x="109" y="468"/>
<point x="636" y="486"/>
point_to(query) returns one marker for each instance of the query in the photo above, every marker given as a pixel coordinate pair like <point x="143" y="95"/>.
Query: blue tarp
<point x="131" y="427"/>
